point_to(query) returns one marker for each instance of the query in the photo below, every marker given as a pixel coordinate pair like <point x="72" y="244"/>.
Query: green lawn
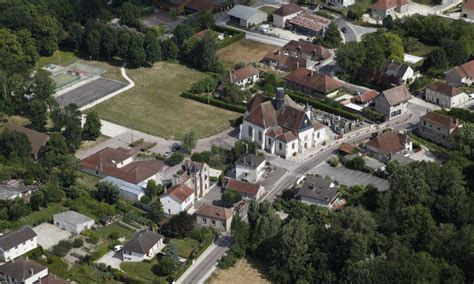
<point x="422" y="50"/>
<point x="157" y="107"/>
<point x="184" y="246"/>
<point x="268" y="9"/>
<point x="43" y="214"/>
<point x="87" y="180"/>
<point x="142" y="270"/>
<point x="59" y="57"/>
<point x="105" y="232"/>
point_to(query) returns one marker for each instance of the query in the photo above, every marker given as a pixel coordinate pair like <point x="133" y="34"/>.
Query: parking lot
<point x="89" y="92"/>
<point x="50" y="235"/>
<point x="350" y="177"/>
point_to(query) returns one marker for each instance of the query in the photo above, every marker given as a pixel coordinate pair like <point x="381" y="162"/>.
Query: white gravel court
<point x="408" y="58"/>
<point x="50" y="235"/>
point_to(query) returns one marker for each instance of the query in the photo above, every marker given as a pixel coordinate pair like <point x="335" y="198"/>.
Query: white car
<point x="118" y="248"/>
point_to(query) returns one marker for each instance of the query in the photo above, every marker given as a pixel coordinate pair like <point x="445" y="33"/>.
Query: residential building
<point x="37" y="139"/>
<point x="461" y="75"/>
<point x="347" y="149"/>
<point x="177" y="198"/>
<point x="397" y="73"/>
<point x="247" y="190"/>
<point x="278" y="60"/>
<point x="250" y="167"/>
<point x="393" y="102"/>
<point x="52" y="279"/>
<point x="280" y="126"/>
<point x="15" y="188"/>
<point x="468" y="10"/>
<point x="121" y="164"/>
<point x="317" y="191"/>
<point x="22" y="272"/>
<point x="384" y="8"/>
<point x="309" y="51"/>
<point x="386" y="144"/>
<point x="340" y="3"/>
<point x="218" y="218"/>
<point x="143" y="246"/>
<point x="244" y="77"/>
<point x="127" y="189"/>
<point x="245" y="16"/>
<point x="178" y="6"/>
<point x="196" y="176"/>
<point x="284" y="13"/>
<point x="445" y="95"/>
<point x="73" y="222"/>
<point x="17" y="243"/>
<point x="309" y="24"/>
<point x="365" y="98"/>
<point x="438" y="128"/>
<point x="312" y="82"/>
<point x="201" y="6"/>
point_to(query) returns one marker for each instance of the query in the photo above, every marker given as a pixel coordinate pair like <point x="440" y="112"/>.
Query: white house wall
<point x="19" y="250"/>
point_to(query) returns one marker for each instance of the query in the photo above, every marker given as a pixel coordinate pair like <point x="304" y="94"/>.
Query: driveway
<point x="114" y="259"/>
<point x="350" y="177"/>
<point x="213" y="197"/>
<point x="50" y="235"/>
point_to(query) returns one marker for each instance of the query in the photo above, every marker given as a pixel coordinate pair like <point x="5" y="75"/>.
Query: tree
<point x="109" y="41"/>
<point x="189" y="141"/>
<point x="240" y="231"/>
<point x="68" y="172"/>
<point x="153" y="189"/>
<point x="206" y="53"/>
<point x="206" y="85"/>
<point x="156" y="212"/>
<point x="129" y="15"/>
<point x="169" y="50"/>
<point x="436" y="59"/>
<point x="264" y="224"/>
<point x="394" y="47"/>
<point x="136" y="51"/>
<point x="93" y="38"/>
<point x="167" y="266"/>
<point x="38" y="115"/>
<point x="69" y="121"/>
<point x="152" y="47"/>
<point x="351" y="58"/>
<point x="28" y="46"/>
<point x="455" y="52"/>
<point x="179" y="226"/>
<point x="107" y="191"/>
<point x="14" y="145"/>
<point x="52" y="192"/>
<point x="74" y="39"/>
<point x="37" y="200"/>
<point x="182" y="32"/>
<point x="231" y="197"/>
<point x="332" y="37"/>
<point x="92" y="126"/>
<point x="55" y="151"/>
<point x="123" y="44"/>
<point x="48" y="34"/>
<point x="17" y="209"/>
<point x="175" y="159"/>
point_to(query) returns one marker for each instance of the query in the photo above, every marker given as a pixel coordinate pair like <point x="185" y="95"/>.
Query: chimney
<point x="279" y="99"/>
<point x="297" y="65"/>
<point x="311" y="74"/>
<point x="32" y="272"/>
<point x="278" y="52"/>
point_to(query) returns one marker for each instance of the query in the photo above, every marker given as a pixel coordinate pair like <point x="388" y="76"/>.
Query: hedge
<point x="230" y="40"/>
<point x="324" y="106"/>
<point x="212" y="101"/>
<point x="373" y="115"/>
<point x="459" y="113"/>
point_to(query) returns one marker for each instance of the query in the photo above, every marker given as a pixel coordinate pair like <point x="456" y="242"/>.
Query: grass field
<point x="59" y="57"/>
<point x="89" y="144"/>
<point x="141" y="270"/>
<point x="157" y="107"/>
<point x="184" y="246"/>
<point x="244" y="271"/>
<point x="244" y="50"/>
<point x="43" y="214"/>
<point x="105" y="232"/>
<point x="113" y="68"/>
<point x="87" y="180"/>
<point x="268" y="9"/>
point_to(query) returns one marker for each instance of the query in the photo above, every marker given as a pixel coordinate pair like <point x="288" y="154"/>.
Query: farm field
<point x="244" y="50"/>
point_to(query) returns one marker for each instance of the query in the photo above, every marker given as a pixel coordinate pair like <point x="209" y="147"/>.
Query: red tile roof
<point x="388" y="4"/>
<point x="465" y="70"/>
<point x="302" y="47"/>
<point x="315" y="81"/>
<point x="290" y="62"/>
<point x="469" y="5"/>
<point x="389" y="142"/>
<point x="243" y="187"/>
<point x="242" y="73"/>
<point x="440" y="120"/>
<point x="288" y="9"/>
<point x="347" y="148"/>
<point x="365" y="97"/>
<point x="37" y="139"/>
<point x="180" y="192"/>
<point x="215" y="212"/>
<point x="443" y="88"/>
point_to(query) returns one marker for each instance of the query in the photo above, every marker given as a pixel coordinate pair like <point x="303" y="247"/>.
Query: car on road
<point x="344" y="30"/>
<point x="118" y="248"/>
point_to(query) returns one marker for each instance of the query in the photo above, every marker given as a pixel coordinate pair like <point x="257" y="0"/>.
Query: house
<point x="127" y="189"/>
<point x="245" y="16"/>
<point x="52" y="279"/>
<point x="461" y="75"/>
<point x="384" y="8"/>
<point x="250" y="167"/>
<point x="246" y="189"/>
<point x="312" y="82"/>
<point x="22" y="271"/>
<point x="218" y="218"/>
<point x="177" y="198"/>
<point x="317" y="191"/>
<point x="14" y="188"/>
<point x="365" y="98"/>
<point x="438" y="128"/>
<point x="393" y="102"/>
<point x="386" y="144"/>
<point x="73" y="222"/>
<point x="37" y="139"/>
<point x="308" y="24"/>
<point x="143" y="246"/>
<point x="347" y="149"/>
<point x="197" y="177"/>
<point x="397" y="73"/>
<point x="244" y="77"/>
<point x="468" y="10"/>
<point x="445" y="95"/>
<point x="340" y="3"/>
<point x="280" y="126"/>
<point x="17" y="243"/>
<point x="201" y="6"/>
<point x="280" y="61"/>
<point x="284" y="13"/>
<point x="121" y="164"/>
<point x="178" y="6"/>
<point x="309" y="51"/>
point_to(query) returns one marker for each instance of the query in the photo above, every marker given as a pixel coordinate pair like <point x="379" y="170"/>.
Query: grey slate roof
<point x="20" y="269"/>
<point x="17" y="237"/>
<point x="142" y="242"/>
<point x="11" y="188"/>
<point x="251" y="161"/>
<point x="244" y="12"/>
<point x="318" y="188"/>
<point x="393" y="68"/>
<point x="72" y="217"/>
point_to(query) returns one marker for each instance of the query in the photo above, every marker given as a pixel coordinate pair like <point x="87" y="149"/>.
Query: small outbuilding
<point x="246" y="16"/>
<point x="73" y="222"/>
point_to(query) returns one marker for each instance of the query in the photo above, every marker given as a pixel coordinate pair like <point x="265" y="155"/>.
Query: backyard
<point x="154" y="105"/>
<point x="244" y="271"/>
<point x="119" y="230"/>
<point x="184" y="247"/>
<point x="143" y="271"/>
<point x="244" y="50"/>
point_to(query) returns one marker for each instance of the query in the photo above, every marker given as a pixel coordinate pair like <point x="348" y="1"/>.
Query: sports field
<point x="154" y="105"/>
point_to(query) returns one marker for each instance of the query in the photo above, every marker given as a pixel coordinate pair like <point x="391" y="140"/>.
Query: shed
<point x="246" y="16"/>
<point x="73" y="222"/>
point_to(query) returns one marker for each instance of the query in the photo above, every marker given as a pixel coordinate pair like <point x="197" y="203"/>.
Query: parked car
<point x="344" y="30"/>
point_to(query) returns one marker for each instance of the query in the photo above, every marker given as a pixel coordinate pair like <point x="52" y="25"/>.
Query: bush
<point x="231" y="197"/>
<point x="62" y="248"/>
<point x="373" y="115"/>
<point x="357" y="164"/>
<point x="175" y="159"/>
<point x="77" y="243"/>
<point x="227" y="261"/>
<point x="167" y="265"/>
<point x="334" y="161"/>
<point x="230" y="40"/>
<point x="213" y="101"/>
